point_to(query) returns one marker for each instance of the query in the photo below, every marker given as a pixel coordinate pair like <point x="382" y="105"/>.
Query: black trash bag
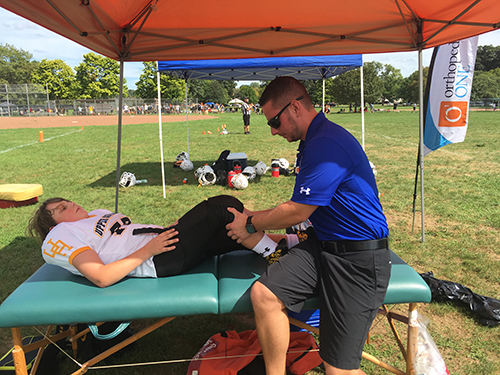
<point x="488" y="308"/>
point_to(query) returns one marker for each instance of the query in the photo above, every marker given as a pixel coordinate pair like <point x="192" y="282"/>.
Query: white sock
<point x="265" y="246"/>
<point x="291" y="240"/>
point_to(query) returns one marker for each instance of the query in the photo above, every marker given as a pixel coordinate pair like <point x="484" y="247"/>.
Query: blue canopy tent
<point x="260" y="69"/>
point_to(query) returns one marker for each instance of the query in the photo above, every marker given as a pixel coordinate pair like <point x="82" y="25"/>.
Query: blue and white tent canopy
<point x="262" y="69"/>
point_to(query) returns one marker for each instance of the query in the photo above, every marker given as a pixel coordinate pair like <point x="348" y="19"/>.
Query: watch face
<point x="249" y="226"/>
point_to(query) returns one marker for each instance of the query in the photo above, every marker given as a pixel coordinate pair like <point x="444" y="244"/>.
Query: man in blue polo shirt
<point x="345" y="259"/>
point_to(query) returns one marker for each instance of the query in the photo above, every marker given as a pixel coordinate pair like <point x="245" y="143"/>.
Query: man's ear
<point x="296" y="107"/>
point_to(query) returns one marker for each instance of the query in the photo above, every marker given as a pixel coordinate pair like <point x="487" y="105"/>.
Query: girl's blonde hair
<point x="42" y="221"/>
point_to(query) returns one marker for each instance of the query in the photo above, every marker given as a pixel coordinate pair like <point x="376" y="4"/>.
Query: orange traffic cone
<point x="218" y="129"/>
<point x="203" y="132"/>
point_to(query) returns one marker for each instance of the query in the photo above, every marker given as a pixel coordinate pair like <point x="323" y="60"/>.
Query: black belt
<point x="350" y="246"/>
<point x="148" y="230"/>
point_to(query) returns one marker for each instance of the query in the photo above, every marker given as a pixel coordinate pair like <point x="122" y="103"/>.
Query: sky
<point x="44" y="44"/>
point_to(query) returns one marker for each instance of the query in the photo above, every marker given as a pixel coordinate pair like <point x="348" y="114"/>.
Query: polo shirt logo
<point x="305" y="191"/>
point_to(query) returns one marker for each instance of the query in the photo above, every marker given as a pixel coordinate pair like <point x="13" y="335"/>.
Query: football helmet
<point x="207" y="178"/>
<point x="283" y="163"/>
<point x="239" y="181"/>
<point x="186" y="165"/>
<point x="202" y="170"/>
<point x="127" y="179"/>
<point x="249" y="173"/>
<point x="182" y="156"/>
<point x="260" y="168"/>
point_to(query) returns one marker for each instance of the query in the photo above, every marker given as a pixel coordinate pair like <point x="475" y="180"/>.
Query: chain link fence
<point x="33" y="100"/>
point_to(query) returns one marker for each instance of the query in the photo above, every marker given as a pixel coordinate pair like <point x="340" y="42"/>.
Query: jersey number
<point x="117" y="228"/>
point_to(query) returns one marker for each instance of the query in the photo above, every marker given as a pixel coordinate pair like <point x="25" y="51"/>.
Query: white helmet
<point x="186" y="165"/>
<point x="203" y="170"/>
<point x="207" y="178"/>
<point x="127" y="179"/>
<point x="283" y="163"/>
<point x="249" y="173"/>
<point x="260" y="168"/>
<point x="182" y="156"/>
<point x="239" y="181"/>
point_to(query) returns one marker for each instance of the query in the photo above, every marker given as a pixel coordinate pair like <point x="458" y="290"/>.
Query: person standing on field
<point x="245" y="108"/>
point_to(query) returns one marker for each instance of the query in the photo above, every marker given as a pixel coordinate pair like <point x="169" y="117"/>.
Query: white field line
<point x="36" y="142"/>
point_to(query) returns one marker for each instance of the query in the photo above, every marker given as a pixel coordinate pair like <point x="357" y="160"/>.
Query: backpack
<point x="219" y="167"/>
<point x="236" y="353"/>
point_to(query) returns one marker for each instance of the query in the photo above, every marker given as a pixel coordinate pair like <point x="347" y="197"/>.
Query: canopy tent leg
<point x="323" y="94"/>
<point x="421" y="136"/>
<point x="161" y="131"/>
<point x="362" y="106"/>
<point x="187" y="116"/>
<point x="119" y="142"/>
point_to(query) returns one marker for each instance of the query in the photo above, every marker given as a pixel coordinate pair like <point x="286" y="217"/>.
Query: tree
<point x="346" y="87"/>
<point x="487" y="58"/>
<point x="392" y="80"/>
<point x="196" y="89"/>
<point x="372" y="83"/>
<point x="16" y="65"/>
<point x="315" y="90"/>
<point x="99" y="77"/>
<point x="485" y="85"/>
<point x="147" y="86"/>
<point x="409" y="90"/>
<point x="58" y="77"/>
<point x="252" y="92"/>
<point x="216" y="92"/>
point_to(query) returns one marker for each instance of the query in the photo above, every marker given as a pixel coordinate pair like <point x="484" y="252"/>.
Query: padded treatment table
<point x="16" y="195"/>
<point x="220" y="285"/>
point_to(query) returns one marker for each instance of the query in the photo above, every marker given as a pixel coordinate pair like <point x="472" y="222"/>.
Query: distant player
<point x="245" y="108"/>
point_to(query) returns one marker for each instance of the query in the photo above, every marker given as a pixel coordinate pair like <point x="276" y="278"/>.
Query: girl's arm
<point x="91" y="266"/>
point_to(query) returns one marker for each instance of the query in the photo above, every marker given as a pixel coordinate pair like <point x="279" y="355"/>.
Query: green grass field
<point x="462" y="215"/>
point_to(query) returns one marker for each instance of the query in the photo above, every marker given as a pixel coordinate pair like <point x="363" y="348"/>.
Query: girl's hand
<point x="163" y="242"/>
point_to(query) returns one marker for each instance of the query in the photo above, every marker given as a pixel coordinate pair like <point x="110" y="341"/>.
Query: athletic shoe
<point x="281" y="250"/>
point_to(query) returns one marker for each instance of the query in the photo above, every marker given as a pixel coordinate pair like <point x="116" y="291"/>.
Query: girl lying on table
<point x="105" y="247"/>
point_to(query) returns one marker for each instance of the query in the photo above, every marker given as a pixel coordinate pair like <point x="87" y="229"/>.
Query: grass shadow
<point x="151" y="171"/>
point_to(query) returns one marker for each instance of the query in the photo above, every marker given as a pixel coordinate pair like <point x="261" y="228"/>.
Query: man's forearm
<point x="283" y="216"/>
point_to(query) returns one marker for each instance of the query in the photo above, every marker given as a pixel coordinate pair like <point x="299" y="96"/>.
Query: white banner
<point x="447" y="94"/>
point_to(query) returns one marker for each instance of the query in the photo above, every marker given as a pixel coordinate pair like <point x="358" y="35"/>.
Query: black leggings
<point x="202" y="234"/>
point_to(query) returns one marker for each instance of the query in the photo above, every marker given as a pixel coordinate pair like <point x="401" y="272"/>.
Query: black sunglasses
<point x="275" y="121"/>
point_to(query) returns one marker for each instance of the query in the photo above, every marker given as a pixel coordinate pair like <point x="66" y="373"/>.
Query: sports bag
<point x="233" y="353"/>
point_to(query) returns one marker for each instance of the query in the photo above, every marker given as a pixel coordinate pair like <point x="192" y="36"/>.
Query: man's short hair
<point x="284" y="89"/>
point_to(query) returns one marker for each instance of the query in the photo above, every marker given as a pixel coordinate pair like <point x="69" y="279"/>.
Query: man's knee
<point x="263" y="298"/>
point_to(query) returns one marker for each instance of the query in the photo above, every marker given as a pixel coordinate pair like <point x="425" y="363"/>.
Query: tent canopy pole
<point x="160" y="129"/>
<point x="421" y="136"/>
<point x="187" y="115"/>
<point x="362" y="108"/>
<point x="119" y="141"/>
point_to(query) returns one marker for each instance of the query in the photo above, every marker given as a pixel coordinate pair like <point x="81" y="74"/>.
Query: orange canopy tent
<point x="152" y="30"/>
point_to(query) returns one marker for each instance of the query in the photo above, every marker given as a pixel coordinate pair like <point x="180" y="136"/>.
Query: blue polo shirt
<point x="334" y="174"/>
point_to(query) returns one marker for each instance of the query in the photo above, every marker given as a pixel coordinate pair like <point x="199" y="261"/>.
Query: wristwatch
<point x="250" y="228"/>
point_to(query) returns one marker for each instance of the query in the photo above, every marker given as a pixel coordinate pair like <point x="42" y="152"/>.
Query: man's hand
<point x="237" y="229"/>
